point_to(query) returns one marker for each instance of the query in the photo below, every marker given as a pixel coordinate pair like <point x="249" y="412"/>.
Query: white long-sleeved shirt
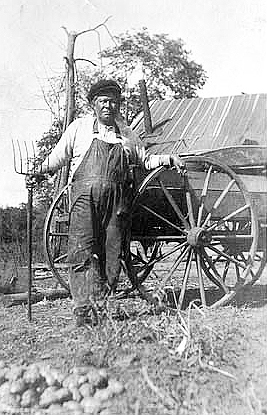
<point x="77" y="138"/>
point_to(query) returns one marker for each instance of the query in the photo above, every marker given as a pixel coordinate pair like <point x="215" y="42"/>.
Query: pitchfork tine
<point x="14" y="156"/>
<point x="34" y="157"/>
<point x="27" y="157"/>
<point x="20" y="155"/>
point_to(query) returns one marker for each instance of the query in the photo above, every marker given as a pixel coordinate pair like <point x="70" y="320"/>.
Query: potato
<point x="91" y="405"/>
<point x="2" y="364"/>
<point x="15" y="372"/>
<point x="18" y="386"/>
<point x="57" y="375"/>
<point x="4" y="388"/>
<point x="115" y="387"/>
<point x="55" y="409"/>
<point x="32" y="375"/>
<point x="86" y="390"/>
<point x="63" y="395"/>
<point x="74" y="381"/>
<point x="72" y="406"/>
<point x="81" y="370"/>
<point x="70" y="381"/>
<point x="98" y="378"/>
<point x="76" y="394"/>
<point x="9" y="399"/>
<point x="103" y="395"/>
<point x="50" y="380"/>
<point x="48" y="397"/>
<point x="29" y="398"/>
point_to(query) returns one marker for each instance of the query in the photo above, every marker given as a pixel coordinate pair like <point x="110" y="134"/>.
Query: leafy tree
<point x="169" y="72"/>
<point x="168" y="67"/>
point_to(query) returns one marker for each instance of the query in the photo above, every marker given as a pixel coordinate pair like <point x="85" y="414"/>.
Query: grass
<point x="189" y="362"/>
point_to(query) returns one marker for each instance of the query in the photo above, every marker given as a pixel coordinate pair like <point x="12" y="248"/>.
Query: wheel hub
<point x="198" y="236"/>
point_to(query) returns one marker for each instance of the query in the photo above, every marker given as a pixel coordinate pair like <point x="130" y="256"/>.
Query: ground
<point x="176" y="363"/>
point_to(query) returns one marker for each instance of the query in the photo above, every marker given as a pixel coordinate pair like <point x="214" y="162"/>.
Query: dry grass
<point x="175" y="363"/>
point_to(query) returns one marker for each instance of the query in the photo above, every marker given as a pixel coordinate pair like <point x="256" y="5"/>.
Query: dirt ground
<point x="212" y="363"/>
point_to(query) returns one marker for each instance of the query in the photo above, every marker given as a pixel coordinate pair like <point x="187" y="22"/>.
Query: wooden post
<point x="70" y="81"/>
<point x="146" y="109"/>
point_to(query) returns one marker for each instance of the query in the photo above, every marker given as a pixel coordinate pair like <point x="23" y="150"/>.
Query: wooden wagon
<point x="196" y="235"/>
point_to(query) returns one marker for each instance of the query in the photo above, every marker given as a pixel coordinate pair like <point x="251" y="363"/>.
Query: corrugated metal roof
<point x="186" y="125"/>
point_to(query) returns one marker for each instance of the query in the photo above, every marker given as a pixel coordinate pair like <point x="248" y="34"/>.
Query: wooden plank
<point x="250" y="155"/>
<point x="10" y="300"/>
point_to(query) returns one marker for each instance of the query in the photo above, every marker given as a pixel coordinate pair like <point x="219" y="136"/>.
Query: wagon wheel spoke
<point x="186" y="276"/>
<point x="218" y="202"/>
<point x="155" y="260"/>
<point x="200" y="278"/>
<point x="175" y="265"/>
<point x="174" y="206"/>
<point x="237" y="269"/>
<point x="148" y="209"/>
<point x="243" y="258"/>
<point x="215" y="276"/>
<point x="189" y="203"/>
<point x="230" y="258"/>
<point x="227" y="217"/>
<point x="61" y="258"/>
<point x="226" y="269"/>
<point x="148" y="267"/>
<point x="161" y="286"/>
<point x="204" y="195"/>
<point x="220" y="256"/>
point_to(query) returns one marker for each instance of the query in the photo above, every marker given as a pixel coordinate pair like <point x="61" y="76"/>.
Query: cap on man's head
<point x="103" y="87"/>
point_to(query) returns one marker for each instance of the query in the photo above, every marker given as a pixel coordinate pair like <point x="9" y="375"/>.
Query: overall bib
<point x="96" y="231"/>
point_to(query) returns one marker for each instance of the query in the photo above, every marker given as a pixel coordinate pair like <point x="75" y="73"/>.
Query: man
<point x="101" y="149"/>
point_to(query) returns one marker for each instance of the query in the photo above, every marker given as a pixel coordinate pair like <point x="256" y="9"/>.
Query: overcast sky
<point x="227" y="37"/>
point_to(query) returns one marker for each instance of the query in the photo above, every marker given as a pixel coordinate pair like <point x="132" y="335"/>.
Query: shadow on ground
<point x="252" y="296"/>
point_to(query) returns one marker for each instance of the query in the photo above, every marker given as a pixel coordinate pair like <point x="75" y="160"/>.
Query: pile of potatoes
<point x="84" y="390"/>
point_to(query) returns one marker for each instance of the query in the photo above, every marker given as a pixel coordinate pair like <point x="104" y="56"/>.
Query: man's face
<point x="106" y="108"/>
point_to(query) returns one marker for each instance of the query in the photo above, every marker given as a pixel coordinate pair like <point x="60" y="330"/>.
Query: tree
<point x="168" y="68"/>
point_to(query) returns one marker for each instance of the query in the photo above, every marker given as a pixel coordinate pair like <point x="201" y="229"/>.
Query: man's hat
<point x="103" y="86"/>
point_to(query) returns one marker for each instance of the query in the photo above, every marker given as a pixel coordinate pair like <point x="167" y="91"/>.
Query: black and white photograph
<point x="133" y="207"/>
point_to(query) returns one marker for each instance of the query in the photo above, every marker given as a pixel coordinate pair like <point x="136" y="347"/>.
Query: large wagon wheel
<point x="208" y="231"/>
<point x="56" y="229"/>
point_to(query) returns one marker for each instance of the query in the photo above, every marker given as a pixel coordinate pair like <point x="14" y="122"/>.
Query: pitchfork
<point x="26" y="164"/>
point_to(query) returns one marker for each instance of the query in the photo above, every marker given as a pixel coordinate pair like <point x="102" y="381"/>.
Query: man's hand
<point x="178" y="163"/>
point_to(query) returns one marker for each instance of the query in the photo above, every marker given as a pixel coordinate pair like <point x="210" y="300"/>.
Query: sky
<point x="228" y="38"/>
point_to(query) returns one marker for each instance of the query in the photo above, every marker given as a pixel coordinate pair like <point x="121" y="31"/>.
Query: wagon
<point x="196" y="235"/>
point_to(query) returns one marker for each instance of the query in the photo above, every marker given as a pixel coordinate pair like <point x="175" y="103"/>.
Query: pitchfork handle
<point x="29" y="249"/>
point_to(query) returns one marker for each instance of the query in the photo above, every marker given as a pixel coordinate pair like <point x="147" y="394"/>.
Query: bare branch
<point x="110" y="34"/>
<point x="100" y="50"/>
<point x="65" y="29"/>
<point x="47" y="101"/>
<point x="94" y="28"/>
<point x="35" y="109"/>
<point x="87" y="60"/>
